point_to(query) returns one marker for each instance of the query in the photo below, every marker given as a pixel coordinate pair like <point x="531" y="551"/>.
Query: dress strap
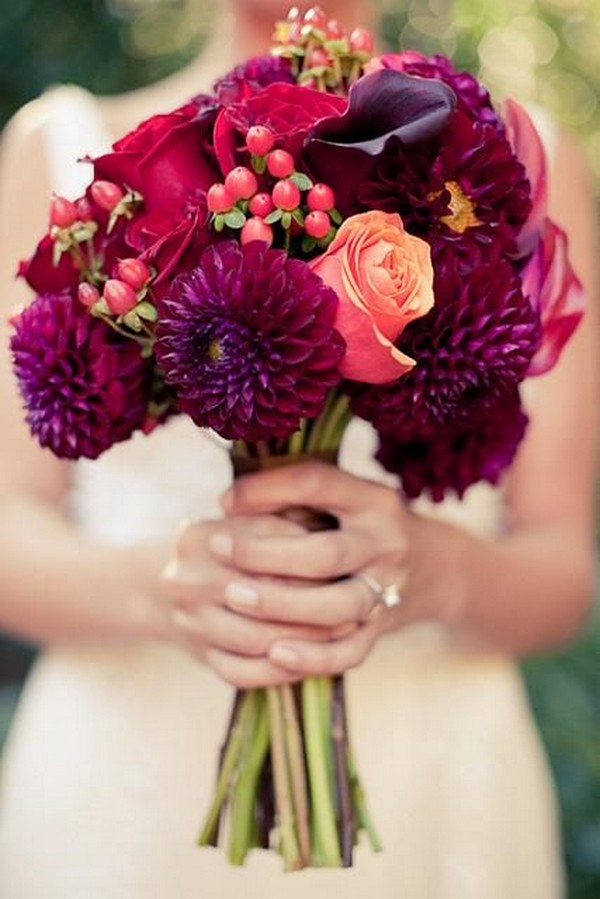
<point x="73" y="129"/>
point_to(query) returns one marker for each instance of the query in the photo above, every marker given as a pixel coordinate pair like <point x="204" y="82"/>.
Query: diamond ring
<point x="387" y="594"/>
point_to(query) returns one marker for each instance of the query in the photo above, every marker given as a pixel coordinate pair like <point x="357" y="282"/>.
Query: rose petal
<point x="528" y="148"/>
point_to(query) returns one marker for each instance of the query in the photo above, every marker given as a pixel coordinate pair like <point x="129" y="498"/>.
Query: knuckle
<point x="190" y="540"/>
<point x="310" y="477"/>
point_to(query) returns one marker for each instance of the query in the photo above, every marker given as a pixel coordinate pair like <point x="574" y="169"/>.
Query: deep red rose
<point x="165" y="159"/>
<point x="288" y="110"/>
<point x="171" y="237"/>
<point x="43" y="276"/>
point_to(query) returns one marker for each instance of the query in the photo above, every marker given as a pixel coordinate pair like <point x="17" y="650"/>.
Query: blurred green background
<point x="547" y="51"/>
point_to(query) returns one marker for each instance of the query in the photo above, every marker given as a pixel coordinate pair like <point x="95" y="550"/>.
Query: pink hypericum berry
<point x="318" y="57"/>
<point x="88" y="294"/>
<point x="84" y="209"/>
<point x="317" y="224"/>
<point x="294" y="14"/>
<point x="280" y="163"/>
<point x="120" y="297"/>
<point x="260" y="140"/>
<point x="106" y="194"/>
<point x="241" y="183"/>
<point x="261" y="205"/>
<point x="361" y="39"/>
<point x="62" y="212"/>
<point x="219" y="199"/>
<point x="334" y="30"/>
<point x="286" y="195"/>
<point x="257" y="229"/>
<point x="315" y="17"/>
<point x="320" y="197"/>
<point x="133" y="272"/>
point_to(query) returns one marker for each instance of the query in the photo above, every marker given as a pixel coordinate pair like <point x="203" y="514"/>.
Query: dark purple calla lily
<point x="341" y="150"/>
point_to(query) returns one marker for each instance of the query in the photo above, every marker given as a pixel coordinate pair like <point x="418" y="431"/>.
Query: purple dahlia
<point x="84" y="386"/>
<point x="452" y="457"/>
<point x="252" y="76"/>
<point x="247" y="340"/>
<point x="468" y="189"/>
<point x="476" y="343"/>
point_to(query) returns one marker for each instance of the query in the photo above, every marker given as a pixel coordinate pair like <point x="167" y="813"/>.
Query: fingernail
<point x="284" y="654"/>
<point x="171" y="569"/>
<point x="221" y="545"/>
<point x="241" y="595"/>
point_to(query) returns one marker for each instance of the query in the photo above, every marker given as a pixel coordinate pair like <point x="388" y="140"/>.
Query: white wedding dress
<point x="110" y="764"/>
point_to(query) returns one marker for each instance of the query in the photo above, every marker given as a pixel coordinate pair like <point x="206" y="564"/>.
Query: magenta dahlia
<point x="467" y="189"/>
<point x="247" y="340"/>
<point x="476" y="343"/>
<point x="451" y="458"/>
<point x="85" y="387"/>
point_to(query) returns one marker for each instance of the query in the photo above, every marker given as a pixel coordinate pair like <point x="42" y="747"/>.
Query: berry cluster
<point x="242" y="203"/>
<point x="122" y="297"/>
<point x="323" y="54"/>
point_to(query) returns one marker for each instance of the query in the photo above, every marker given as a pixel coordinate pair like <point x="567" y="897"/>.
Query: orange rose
<point x="384" y="279"/>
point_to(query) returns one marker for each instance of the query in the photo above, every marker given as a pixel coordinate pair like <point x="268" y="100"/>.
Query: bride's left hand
<point x="338" y="571"/>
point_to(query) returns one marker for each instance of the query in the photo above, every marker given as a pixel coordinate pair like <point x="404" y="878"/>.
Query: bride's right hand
<point x="193" y="584"/>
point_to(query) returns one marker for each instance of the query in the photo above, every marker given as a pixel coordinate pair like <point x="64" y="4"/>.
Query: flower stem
<point x="339" y="738"/>
<point x="285" y="812"/>
<point x="326" y="847"/>
<point x="360" y="803"/>
<point x="295" y="756"/>
<point x="252" y="759"/>
<point x="228" y="768"/>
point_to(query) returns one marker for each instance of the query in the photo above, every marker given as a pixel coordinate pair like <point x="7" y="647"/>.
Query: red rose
<point x="165" y="159"/>
<point x="172" y="237"/>
<point x="288" y="110"/>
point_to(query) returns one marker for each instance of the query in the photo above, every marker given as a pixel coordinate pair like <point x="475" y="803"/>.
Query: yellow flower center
<point x="214" y="351"/>
<point x="462" y="210"/>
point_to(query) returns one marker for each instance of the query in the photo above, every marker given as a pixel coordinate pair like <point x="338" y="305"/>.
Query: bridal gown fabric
<point x="110" y="764"/>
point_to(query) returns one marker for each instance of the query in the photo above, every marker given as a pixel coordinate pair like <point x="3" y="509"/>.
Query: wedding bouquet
<point x="325" y="234"/>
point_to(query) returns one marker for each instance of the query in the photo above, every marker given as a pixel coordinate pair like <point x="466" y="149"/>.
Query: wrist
<point x="145" y="610"/>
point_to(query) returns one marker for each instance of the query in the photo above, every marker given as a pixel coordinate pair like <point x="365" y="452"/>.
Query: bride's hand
<point x="378" y="544"/>
<point x="195" y="584"/>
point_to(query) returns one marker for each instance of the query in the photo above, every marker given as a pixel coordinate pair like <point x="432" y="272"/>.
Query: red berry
<point x="84" y="209"/>
<point x="241" y="183"/>
<point x="219" y="199"/>
<point x="133" y="272"/>
<point x="120" y="297"/>
<point x="280" y="163"/>
<point x="334" y="30"/>
<point x="62" y="212"/>
<point x="318" y="57"/>
<point x="317" y="224"/>
<point x="260" y="140"/>
<point x="320" y="197"/>
<point x="315" y="17"/>
<point x="286" y="195"/>
<point x="261" y="205"/>
<point x="88" y="294"/>
<point x="106" y="194"/>
<point x="257" y="229"/>
<point x="361" y="40"/>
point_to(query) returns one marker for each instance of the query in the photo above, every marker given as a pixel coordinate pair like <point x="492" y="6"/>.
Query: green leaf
<point x="286" y="220"/>
<point x="147" y="311"/>
<point x="133" y="321"/>
<point x="219" y="222"/>
<point x="298" y="217"/>
<point x="259" y="164"/>
<point x="235" y="218"/>
<point x="302" y="181"/>
<point x="308" y="244"/>
<point x="335" y="216"/>
<point x="273" y="217"/>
